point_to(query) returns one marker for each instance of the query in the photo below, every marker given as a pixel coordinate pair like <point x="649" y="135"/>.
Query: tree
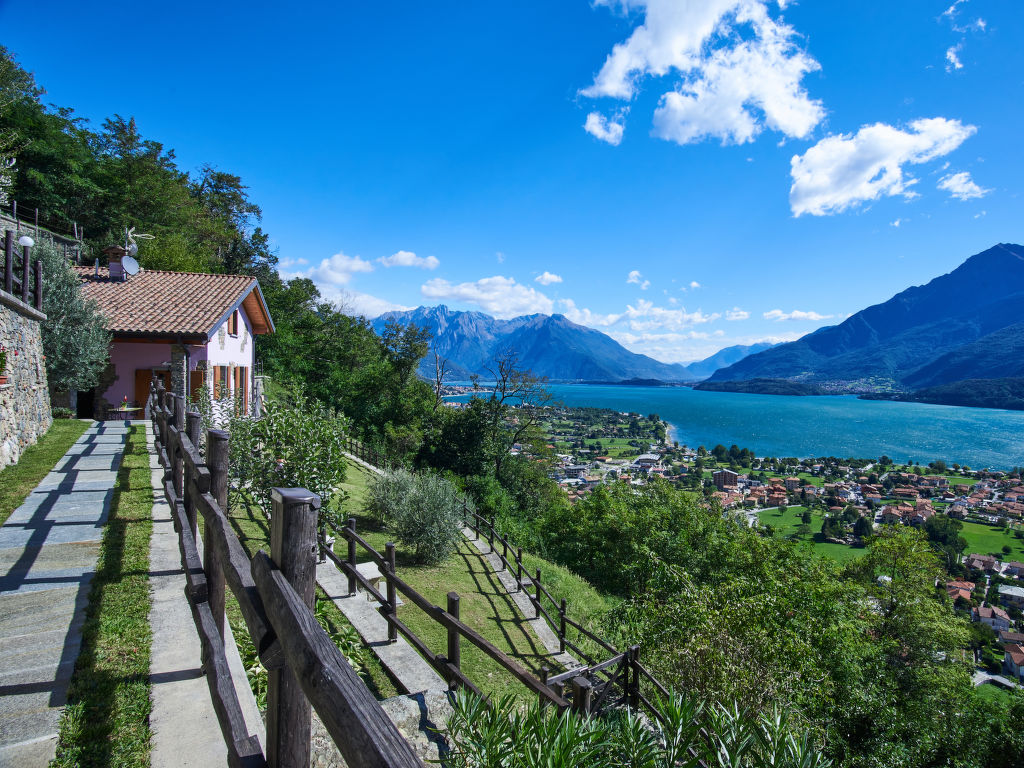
<point x="863" y="528"/>
<point x="75" y="339"/>
<point x="944" y="534"/>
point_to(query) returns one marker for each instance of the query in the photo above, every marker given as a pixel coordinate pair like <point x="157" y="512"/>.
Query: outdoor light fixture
<point x="26" y="241"/>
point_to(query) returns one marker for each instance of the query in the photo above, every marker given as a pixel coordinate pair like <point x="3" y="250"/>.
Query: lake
<point x="842" y="426"/>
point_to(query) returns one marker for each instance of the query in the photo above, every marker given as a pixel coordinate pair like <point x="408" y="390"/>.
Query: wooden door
<point x="196" y="382"/>
<point x="144" y="377"/>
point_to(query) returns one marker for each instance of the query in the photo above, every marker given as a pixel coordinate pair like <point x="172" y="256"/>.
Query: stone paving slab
<point x="48" y="552"/>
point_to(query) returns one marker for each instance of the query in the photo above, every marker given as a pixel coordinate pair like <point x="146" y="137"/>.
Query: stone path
<point x="185" y="728"/>
<point x="48" y="552"/>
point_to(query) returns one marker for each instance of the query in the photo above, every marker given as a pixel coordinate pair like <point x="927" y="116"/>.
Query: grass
<point x="106" y="721"/>
<point x="786" y="523"/>
<point x="484" y="603"/>
<point x="987" y="539"/>
<point x="17" y="481"/>
<point x="995" y="694"/>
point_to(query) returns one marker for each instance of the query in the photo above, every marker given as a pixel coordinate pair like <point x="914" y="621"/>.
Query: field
<point x="786" y="523"/>
<point x="987" y="539"/>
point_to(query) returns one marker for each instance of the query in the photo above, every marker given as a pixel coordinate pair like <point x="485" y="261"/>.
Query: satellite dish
<point x="130" y="265"/>
<point x="133" y="250"/>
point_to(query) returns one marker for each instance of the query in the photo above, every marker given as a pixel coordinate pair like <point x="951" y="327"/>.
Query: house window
<point x="221" y="381"/>
<point x="242" y="388"/>
<point x="233" y="323"/>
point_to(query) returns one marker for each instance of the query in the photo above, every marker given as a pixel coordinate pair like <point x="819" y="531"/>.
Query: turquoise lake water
<point x="772" y="425"/>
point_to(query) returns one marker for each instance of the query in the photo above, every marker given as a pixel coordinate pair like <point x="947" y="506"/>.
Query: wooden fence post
<point x="39" y="284"/>
<point x="544" y="672"/>
<point x="9" y="261"/>
<point x="217" y="449"/>
<point x="634" y="687"/>
<point x="582" y="690"/>
<point x="179" y="459"/>
<point x="389" y="556"/>
<point x="293" y="550"/>
<point x="454" y="651"/>
<point x="536" y="604"/>
<point x="26" y="266"/>
<point x="519" y="568"/>
<point x="561" y="626"/>
<point x="490" y="533"/>
<point x="352" y="556"/>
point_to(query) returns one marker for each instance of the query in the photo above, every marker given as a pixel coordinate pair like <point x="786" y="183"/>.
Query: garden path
<point x="48" y="553"/>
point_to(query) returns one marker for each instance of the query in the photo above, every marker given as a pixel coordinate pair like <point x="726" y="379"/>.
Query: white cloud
<point x="897" y="223"/>
<point x="634" y="277"/>
<point x="355" y="303"/>
<point x="334" y="271"/>
<point x="953" y="57"/>
<point x="585" y="316"/>
<point x="547" y="278"/>
<point x="962" y="186"/>
<point x="739" y="70"/>
<point x="797" y="314"/>
<point x="499" y="296"/>
<point x="842" y="171"/>
<point x="605" y="129"/>
<point x="500" y="257"/>
<point x="646" y="316"/>
<point x="980" y="214"/>
<point x="737" y="314"/>
<point x="694" y="284"/>
<point x="410" y="259"/>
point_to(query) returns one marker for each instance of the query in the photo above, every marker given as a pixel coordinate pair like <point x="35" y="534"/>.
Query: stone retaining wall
<point x="24" y="400"/>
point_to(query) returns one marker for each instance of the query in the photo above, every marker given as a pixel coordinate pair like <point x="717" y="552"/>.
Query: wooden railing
<point x="19" y="277"/>
<point x="598" y="684"/>
<point x="275" y="596"/>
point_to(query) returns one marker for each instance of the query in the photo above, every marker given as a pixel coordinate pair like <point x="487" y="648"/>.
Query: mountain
<point x="549" y="345"/>
<point x="965" y="324"/>
<point x="723" y="358"/>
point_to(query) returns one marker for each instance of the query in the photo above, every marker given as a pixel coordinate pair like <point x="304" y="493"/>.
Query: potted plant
<point x="3" y="364"/>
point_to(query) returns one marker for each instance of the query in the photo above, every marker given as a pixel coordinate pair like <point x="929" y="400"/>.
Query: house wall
<point x="24" y="400"/>
<point x="126" y="358"/>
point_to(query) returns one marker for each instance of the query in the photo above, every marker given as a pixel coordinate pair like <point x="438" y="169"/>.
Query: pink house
<point x="190" y="330"/>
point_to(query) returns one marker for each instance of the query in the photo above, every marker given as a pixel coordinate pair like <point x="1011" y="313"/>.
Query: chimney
<point x="114" y="255"/>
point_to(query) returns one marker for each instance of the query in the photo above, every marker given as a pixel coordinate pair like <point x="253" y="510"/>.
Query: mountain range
<point x="549" y="345"/>
<point x="967" y="324"/>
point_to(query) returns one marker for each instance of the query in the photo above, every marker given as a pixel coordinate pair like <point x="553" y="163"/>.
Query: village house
<point x="191" y="331"/>
<point x="982" y="563"/>
<point x="993" y="616"/>
<point x="1011" y="595"/>
<point x="1014" y="569"/>
<point x="959" y="589"/>
<point x="725" y="478"/>
<point x="1013" y="661"/>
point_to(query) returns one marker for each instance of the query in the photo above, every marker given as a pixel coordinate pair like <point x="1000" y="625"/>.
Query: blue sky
<point x="682" y="176"/>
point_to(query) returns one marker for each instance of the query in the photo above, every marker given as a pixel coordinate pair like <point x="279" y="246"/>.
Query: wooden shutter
<point x="216" y="381"/>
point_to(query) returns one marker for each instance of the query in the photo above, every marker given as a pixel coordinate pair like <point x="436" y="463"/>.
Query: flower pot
<point x="3" y="379"/>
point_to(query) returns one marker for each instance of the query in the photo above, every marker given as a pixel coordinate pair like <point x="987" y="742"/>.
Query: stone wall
<point x="24" y="399"/>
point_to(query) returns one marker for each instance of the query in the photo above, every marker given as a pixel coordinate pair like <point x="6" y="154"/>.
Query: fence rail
<point x="275" y="594"/>
<point x="597" y="684"/>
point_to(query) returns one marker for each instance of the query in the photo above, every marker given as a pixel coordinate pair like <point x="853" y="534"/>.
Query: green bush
<point x="505" y="735"/>
<point x="62" y="413"/>
<point x="422" y="511"/>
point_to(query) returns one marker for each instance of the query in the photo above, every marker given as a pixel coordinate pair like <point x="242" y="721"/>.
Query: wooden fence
<point x="275" y="594"/>
<point x="600" y="683"/>
<point x="18" y="277"/>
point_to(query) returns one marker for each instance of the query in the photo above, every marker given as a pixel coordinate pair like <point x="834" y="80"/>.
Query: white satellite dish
<point x="133" y="250"/>
<point x="130" y="265"/>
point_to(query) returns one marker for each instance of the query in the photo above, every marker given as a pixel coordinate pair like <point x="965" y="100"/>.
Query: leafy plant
<point x="423" y="511"/>
<point x="688" y="733"/>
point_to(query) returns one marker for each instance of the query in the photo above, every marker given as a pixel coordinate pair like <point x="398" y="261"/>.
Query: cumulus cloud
<point x="584" y="316"/>
<point x="410" y="259"/>
<point x="499" y="296"/>
<point x="737" y="314"/>
<point x="334" y="271"/>
<point x="962" y="186"/>
<point x="646" y="316"/>
<point x="694" y="284"/>
<point x="605" y="129"/>
<point x="953" y="57"/>
<point x="797" y="314"/>
<point x="355" y="303"/>
<point x="845" y="170"/>
<point x="547" y="278"/>
<point x="636" y="278"/>
<point x="737" y="70"/>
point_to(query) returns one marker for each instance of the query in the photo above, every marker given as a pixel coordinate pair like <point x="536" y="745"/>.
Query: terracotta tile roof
<point x="154" y="302"/>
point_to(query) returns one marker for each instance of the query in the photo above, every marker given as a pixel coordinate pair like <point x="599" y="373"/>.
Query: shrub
<point x="422" y="511"/>
<point x="62" y="413"/>
<point x="690" y="733"/>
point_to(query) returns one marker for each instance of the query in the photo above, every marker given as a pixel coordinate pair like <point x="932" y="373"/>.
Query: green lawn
<point x="987" y="539"/>
<point x="484" y="603"/>
<point x="786" y="524"/>
<point x="992" y="692"/>
<point x="106" y="721"/>
<point x="17" y="481"/>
